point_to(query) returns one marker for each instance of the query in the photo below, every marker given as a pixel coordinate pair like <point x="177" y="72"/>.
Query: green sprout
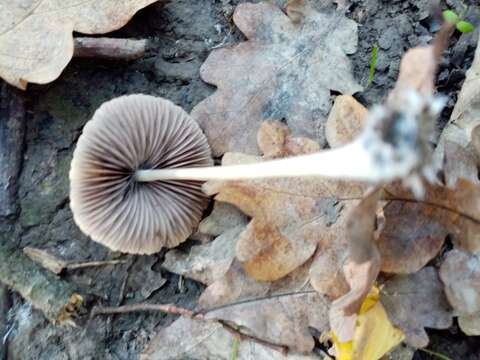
<point x="461" y="25"/>
<point x="373" y="62"/>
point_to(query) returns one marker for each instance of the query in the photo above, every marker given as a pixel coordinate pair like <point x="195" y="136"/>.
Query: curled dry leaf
<point x="284" y="71"/>
<point x="36" y="36"/>
<point x="460" y="273"/>
<point x="361" y="268"/>
<point x="464" y="117"/>
<point x="414" y="302"/>
<point x="187" y="338"/>
<point x="290" y="217"/>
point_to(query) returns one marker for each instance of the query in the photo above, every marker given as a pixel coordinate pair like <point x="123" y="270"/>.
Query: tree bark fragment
<point x="109" y="48"/>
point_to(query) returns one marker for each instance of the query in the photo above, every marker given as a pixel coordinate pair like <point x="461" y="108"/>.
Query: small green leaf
<point x="465" y="27"/>
<point x="450" y="16"/>
<point x="373" y="62"/>
<point x="234" y="352"/>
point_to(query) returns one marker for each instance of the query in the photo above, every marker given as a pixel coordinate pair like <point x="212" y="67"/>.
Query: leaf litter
<point x="285" y="70"/>
<point x="296" y="260"/>
<point x="294" y="256"/>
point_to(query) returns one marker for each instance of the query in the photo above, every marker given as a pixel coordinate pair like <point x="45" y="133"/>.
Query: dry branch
<point x="109" y="48"/>
<point x="173" y="309"/>
<point x="56" y="265"/>
<point x="58" y="300"/>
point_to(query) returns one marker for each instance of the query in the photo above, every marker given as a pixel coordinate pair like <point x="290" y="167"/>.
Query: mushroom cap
<point x="125" y="134"/>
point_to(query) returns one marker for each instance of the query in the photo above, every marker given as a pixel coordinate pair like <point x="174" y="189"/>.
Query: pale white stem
<point x="352" y="162"/>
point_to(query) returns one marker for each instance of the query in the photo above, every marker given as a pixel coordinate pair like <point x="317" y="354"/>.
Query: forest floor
<point x="181" y="34"/>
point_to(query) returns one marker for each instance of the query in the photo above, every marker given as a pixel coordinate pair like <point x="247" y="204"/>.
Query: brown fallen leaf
<point x="460" y="273"/>
<point x="285" y="318"/>
<point x="284" y="71"/>
<point x="464" y="117"/>
<point x="345" y="121"/>
<point x="414" y="302"/>
<point x="187" y="338"/>
<point x="235" y="285"/>
<point x="290" y="217"/>
<point x="361" y="268"/>
<point x="413" y="235"/>
<point x="205" y="263"/>
<point x="457" y="209"/>
<point x="415" y="231"/>
<point x="36" y="36"/>
<point x="280" y="311"/>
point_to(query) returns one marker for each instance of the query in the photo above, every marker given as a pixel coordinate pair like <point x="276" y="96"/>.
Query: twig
<point x="109" y="48"/>
<point x="74" y="266"/>
<point x="56" y="265"/>
<point x="165" y="308"/>
<point x="173" y="309"/>
<point x="245" y="337"/>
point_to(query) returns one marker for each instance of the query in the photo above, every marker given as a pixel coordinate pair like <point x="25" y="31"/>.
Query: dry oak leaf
<point x="280" y="311"/>
<point x="290" y="217"/>
<point x="285" y="318"/>
<point x="235" y="285"/>
<point x="193" y="339"/>
<point x="414" y="231"/>
<point x="284" y="71"/>
<point x="36" y="35"/>
<point x="460" y="273"/>
<point x="414" y="302"/>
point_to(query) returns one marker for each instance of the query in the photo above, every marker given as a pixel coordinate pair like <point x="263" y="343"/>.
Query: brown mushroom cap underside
<point x="125" y="134"/>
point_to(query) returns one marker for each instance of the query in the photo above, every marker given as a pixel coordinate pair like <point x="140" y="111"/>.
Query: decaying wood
<point x="56" y="265"/>
<point x="109" y="48"/>
<point x="58" y="300"/>
<point x="12" y="131"/>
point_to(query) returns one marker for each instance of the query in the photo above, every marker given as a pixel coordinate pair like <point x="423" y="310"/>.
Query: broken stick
<point x="58" y="300"/>
<point x="109" y="48"/>
<point x="56" y="265"/>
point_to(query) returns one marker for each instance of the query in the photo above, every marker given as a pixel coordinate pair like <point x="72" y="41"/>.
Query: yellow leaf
<point x="374" y="333"/>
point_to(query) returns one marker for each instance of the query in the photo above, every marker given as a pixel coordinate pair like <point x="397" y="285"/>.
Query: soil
<point x="181" y="35"/>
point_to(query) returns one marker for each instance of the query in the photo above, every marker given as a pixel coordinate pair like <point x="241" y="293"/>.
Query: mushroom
<point x="108" y="203"/>
<point x="138" y="167"/>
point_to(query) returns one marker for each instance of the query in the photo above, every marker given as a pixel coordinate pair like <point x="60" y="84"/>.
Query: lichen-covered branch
<point x="57" y="299"/>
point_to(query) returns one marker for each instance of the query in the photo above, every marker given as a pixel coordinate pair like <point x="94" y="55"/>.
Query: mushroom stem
<point x="352" y="162"/>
